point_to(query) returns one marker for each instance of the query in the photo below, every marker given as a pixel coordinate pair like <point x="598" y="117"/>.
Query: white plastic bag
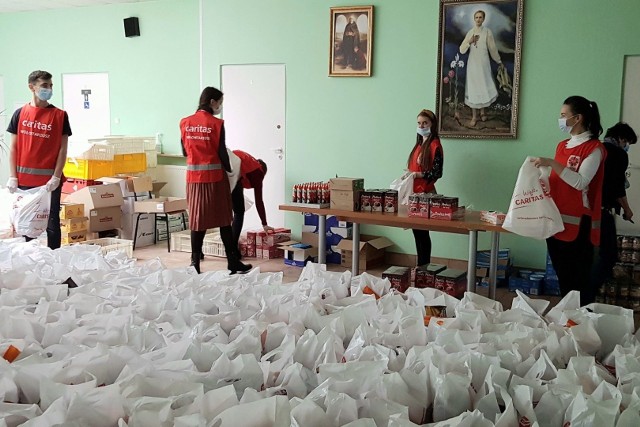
<point x="6" y="207"/>
<point x="234" y="175"/>
<point x="532" y="212"/>
<point x="404" y="186"/>
<point x="31" y="211"/>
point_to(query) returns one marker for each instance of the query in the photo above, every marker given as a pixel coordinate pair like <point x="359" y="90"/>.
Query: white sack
<point x="31" y="211"/>
<point x="532" y="212"/>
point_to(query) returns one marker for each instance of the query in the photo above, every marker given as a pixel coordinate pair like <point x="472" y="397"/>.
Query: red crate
<point x="71" y="185"/>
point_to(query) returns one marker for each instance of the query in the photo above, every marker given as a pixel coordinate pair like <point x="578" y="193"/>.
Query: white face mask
<point x="424" y="131"/>
<point x="562" y="124"/>
<point x="44" y="94"/>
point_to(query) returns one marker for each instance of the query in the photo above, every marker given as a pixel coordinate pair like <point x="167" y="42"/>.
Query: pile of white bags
<point x="142" y="345"/>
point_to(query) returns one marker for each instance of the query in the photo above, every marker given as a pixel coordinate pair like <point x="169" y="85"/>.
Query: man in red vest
<point x="39" y="134"/>
<point x="252" y="173"/>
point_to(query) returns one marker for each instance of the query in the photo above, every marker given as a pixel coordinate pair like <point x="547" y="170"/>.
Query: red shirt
<point x="569" y="200"/>
<point x="252" y="176"/>
<point x="39" y="133"/>
<point x="200" y="134"/>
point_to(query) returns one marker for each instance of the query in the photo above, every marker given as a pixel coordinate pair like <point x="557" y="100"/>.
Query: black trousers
<point x="237" y="201"/>
<point x="423" y="246"/>
<point x="607" y="254"/>
<point x="573" y="262"/>
<point x="54" y="235"/>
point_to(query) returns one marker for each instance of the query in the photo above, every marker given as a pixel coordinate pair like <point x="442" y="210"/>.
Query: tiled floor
<point x="291" y="274"/>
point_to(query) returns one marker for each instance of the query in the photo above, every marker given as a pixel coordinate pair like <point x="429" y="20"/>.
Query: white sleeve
<point x="580" y="180"/>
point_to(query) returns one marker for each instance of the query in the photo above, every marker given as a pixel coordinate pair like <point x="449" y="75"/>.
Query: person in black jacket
<point x="614" y="197"/>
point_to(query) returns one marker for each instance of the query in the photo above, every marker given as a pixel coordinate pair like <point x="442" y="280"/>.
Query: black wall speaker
<point x="131" y="27"/>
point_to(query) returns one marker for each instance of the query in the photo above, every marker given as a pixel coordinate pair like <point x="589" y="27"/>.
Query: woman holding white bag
<point x="425" y="163"/>
<point x="577" y="173"/>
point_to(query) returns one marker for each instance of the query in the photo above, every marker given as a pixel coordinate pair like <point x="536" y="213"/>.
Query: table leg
<point x="355" y="258"/>
<point x="322" y="239"/>
<point x="135" y="230"/>
<point x="493" y="266"/>
<point x="471" y="267"/>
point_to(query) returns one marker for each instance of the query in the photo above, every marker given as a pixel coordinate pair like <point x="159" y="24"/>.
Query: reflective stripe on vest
<point x="35" y="171"/>
<point x="574" y="220"/>
<point x="206" y="167"/>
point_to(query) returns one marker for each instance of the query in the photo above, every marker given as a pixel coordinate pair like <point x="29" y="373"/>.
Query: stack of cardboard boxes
<point x="298" y="254"/>
<point x="73" y="223"/>
<point x="260" y="244"/>
<point x="102" y="206"/>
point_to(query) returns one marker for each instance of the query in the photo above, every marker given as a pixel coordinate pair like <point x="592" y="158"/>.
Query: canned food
<point x="619" y="239"/>
<point x="623" y="290"/>
<point x="600" y="299"/>
<point x="612" y="289"/>
<point x="627" y="242"/>
<point x="634" y="292"/>
<point x="636" y="243"/>
<point x="635" y="257"/>
<point x="626" y="256"/>
<point x="634" y="304"/>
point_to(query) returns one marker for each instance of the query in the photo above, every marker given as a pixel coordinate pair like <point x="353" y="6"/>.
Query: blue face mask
<point x="44" y="94"/>
<point x="423" y="132"/>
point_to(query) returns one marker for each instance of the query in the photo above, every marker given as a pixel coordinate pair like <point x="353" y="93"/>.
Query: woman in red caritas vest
<point x="208" y="190"/>
<point x="425" y="163"/>
<point x="577" y="173"/>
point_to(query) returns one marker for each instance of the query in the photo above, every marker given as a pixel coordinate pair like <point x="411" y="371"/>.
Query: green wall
<point x="346" y="126"/>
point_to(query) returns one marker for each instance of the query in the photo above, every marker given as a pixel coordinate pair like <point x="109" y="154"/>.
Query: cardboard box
<point x="493" y="217"/>
<point x="399" y="277"/>
<point x="345" y="200"/>
<point x="279" y="235"/>
<point x="146" y="228"/>
<point x="426" y="275"/>
<point x="452" y="282"/>
<point x="348" y="184"/>
<point x="418" y="206"/>
<point x="72" y="225"/>
<point x="130" y="185"/>
<point x="299" y="253"/>
<point x="161" y="205"/>
<point x="70" y="210"/>
<point x="107" y="218"/>
<point x="372" y="250"/>
<point x="157" y="186"/>
<point x="271" y="253"/>
<point x="377" y="200"/>
<point x="73" y="237"/>
<point x="97" y="196"/>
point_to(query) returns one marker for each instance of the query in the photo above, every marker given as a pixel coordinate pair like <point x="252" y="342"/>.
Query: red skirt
<point x="209" y="204"/>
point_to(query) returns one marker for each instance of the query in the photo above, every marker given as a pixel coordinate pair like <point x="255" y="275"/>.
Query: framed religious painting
<point x="351" y="41"/>
<point x="479" y="52"/>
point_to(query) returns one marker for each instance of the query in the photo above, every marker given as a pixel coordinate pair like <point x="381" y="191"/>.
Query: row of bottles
<point x="311" y="192"/>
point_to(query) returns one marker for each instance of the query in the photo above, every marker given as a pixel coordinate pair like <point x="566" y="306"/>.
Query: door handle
<point x="278" y="150"/>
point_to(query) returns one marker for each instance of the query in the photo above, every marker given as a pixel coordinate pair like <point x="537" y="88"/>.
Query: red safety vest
<point x="420" y="185"/>
<point x="39" y="141"/>
<point x="569" y="200"/>
<point x="248" y="164"/>
<point x="200" y="134"/>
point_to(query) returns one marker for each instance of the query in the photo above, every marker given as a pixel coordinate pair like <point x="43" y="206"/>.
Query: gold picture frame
<point x="351" y="42"/>
<point x="479" y="53"/>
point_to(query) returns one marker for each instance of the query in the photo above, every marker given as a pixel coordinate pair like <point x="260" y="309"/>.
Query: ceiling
<point x="7" y="6"/>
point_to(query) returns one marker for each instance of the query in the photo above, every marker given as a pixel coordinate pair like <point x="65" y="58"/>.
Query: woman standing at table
<point x="425" y="163"/>
<point x="577" y="174"/>
<point x="208" y="192"/>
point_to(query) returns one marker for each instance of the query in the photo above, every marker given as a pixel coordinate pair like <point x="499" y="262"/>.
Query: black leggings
<point x="54" y="235"/>
<point x="237" y="200"/>
<point x="573" y="261"/>
<point x="423" y="246"/>
<point x="226" y="234"/>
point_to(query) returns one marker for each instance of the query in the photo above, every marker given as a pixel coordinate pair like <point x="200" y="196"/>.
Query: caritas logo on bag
<point x="529" y="196"/>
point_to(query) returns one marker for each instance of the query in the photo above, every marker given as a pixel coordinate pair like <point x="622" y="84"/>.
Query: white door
<point x="254" y="117"/>
<point x="85" y="98"/>
<point x="631" y="115"/>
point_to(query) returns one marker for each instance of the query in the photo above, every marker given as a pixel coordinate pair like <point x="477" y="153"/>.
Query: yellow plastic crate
<point x="88" y="169"/>
<point x="128" y="163"/>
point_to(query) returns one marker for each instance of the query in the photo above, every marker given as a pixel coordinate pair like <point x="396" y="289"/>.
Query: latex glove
<point x="12" y="184"/>
<point x="268" y="229"/>
<point x="53" y="183"/>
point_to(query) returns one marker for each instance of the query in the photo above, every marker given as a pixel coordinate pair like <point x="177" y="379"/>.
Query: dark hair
<point x="621" y="130"/>
<point x="425" y="159"/>
<point x="39" y="75"/>
<point x="588" y="110"/>
<point x="209" y="93"/>
<point x="264" y="166"/>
